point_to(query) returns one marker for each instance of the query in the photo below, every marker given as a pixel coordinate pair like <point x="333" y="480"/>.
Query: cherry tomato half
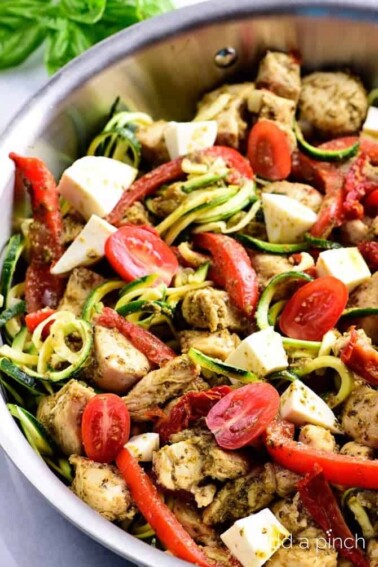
<point x="269" y="151"/>
<point x="243" y="415"/>
<point x="314" y="309"/>
<point x="136" y="251"/>
<point x="105" y="427"/>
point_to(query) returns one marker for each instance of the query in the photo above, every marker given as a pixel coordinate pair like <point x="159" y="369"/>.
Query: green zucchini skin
<point x="270" y="247"/>
<point x="20" y="376"/>
<point x="321" y="242"/>
<point x="322" y="154"/>
<point x="7" y="314"/>
<point x="356" y="312"/>
<point x="96" y="295"/>
<point x="262" y="311"/>
<point x="219" y="367"/>
<point x="13" y="252"/>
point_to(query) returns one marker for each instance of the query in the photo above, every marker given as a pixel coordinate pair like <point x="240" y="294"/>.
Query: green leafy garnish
<point x="67" y="27"/>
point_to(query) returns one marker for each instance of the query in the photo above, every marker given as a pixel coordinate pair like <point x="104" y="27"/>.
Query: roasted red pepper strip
<point x="149" y="183"/>
<point x="234" y="269"/>
<point x="320" y="502"/>
<point x="190" y="407"/>
<point x="240" y="166"/>
<point x="369" y="251"/>
<point x="172" y="171"/>
<point x="356" y="187"/>
<point x="155" y="350"/>
<point x="169" y="531"/>
<point x="300" y="458"/>
<point x="361" y="357"/>
<point x="42" y="289"/>
<point x="331" y="210"/>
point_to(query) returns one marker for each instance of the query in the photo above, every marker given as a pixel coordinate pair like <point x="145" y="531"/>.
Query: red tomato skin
<point x="243" y="415"/>
<point x="269" y="151"/>
<point x="314" y="309"/>
<point x="136" y="251"/>
<point x="105" y="427"/>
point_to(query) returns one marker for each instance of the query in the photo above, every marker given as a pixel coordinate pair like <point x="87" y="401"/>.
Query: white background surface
<point x="32" y="534"/>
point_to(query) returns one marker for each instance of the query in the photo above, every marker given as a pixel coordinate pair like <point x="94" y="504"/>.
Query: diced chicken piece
<point x="311" y="553"/>
<point x="136" y="214"/>
<point x="280" y="73"/>
<point x="317" y="437"/>
<point x="354" y="231"/>
<point x="360" y="416"/>
<point x="294" y="516"/>
<point x="335" y="104"/>
<point x="191" y="458"/>
<point x="366" y="295"/>
<point x="102" y="488"/>
<point x="73" y="224"/>
<point x="161" y="385"/>
<point x="243" y="496"/>
<point x="211" y="309"/>
<point x="151" y="138"/>
<point x="357" y="450"/>
<point x="204" y="495"/>
<point x="217" y="463"/>
<point x="118" y="364"/>
<point x="178" y="466"/>
<point x="218" y="345"/>
<point x="269" y="265"/>
<point x="286" y="481"/>
<point x="61" y="414"/>
<point x="227" y="105"/>
<point x="305" y="194"/>
<point x="191" y="520"/>
<point x="272" y="107"/>
<point x="80" y="283"/>
<point x="372" y="552"/>
<point x="164" y="204"/>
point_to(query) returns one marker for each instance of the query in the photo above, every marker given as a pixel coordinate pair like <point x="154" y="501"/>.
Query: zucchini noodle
<point x="346" y="377"/>
<point x="55" y="350"/>
<point x="118" y="140"/>
<point x="262" y="312"/>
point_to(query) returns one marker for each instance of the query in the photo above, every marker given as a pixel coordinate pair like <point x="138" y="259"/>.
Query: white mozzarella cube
<point x="182" y="138"/>
<point x="346" y="264"/>
<point x="370" y="126"/>
<point x="301" y="406"/>
<point x="262" y="353"/>
<point x="87" y="248"/>
<point x="143" y="446"/>
<point x="254" y="539"/>
<point x="286" y="219"/>
<point x="93" y="185"/>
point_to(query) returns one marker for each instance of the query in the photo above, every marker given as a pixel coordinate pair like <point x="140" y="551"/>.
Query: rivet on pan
<point x="225" y="57"/>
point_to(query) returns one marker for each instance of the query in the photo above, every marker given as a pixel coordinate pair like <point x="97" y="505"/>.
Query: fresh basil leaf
<point x="25" y="9"/>
<point x="83" y="11"/>
<point x="121" y="13"/>
<point x="65" y="43"/>
<point x="17" y="44"/>
<point x="149" y="8"/>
